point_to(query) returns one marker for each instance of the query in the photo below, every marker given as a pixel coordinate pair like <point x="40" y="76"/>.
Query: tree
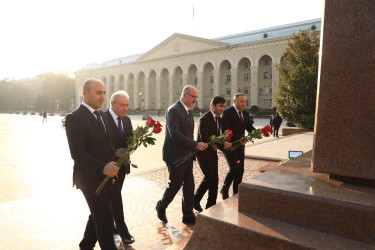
<point x="13" y="95"/>
<point x="254" y="109"/>
<point x="59" y="87"/>
<point x="296" y="97"/>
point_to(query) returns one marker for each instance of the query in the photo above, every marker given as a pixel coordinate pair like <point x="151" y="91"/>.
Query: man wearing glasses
<point x="178" y="143"/>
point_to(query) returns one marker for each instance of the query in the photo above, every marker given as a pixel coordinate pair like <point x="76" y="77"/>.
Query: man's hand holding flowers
<point x="141" y="136"/>
<point x="214" y="140"/>
<point x="201" y="146"/>
<point x="251" y="136"/>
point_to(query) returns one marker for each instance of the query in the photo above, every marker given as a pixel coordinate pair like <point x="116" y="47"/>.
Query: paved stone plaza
<point x="40" y="210"/>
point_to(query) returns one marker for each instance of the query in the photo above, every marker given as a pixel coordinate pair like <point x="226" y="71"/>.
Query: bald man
<point x="92" y="150"/>
<point x="178" y="143"/>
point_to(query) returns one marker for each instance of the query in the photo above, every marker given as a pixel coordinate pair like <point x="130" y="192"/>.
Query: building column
<point x="157" y="79"/>
<point x="200" y="90"/>
<point x="146" y="94"/>
<point x="254" y="86"/>
<point x="170" y="91"/>
<point x="234" y="84"/>
<point x="216" y="82"/>
<point x="135" y="93"/>
<point x="184" y="80"/>
<point x="275" y="81"/>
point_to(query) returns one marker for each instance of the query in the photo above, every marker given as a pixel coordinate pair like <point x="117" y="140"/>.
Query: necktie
<point x="240" y="113"/>
<point x="191" y="116"/>
<point x="217" y="125"/>
<point x="100" y="122"/>
<point x="119" y="126"/>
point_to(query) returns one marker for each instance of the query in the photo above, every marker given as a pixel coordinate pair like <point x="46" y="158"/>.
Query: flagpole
<point x="193" y="18"/>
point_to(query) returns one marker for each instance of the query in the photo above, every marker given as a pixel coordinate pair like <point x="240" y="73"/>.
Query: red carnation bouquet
<point x="141" y="136"/>
<point x="214" y="141"/>
<point x="251" y="136"/>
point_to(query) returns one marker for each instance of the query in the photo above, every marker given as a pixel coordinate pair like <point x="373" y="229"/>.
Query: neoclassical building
<point x="222" y="66"/>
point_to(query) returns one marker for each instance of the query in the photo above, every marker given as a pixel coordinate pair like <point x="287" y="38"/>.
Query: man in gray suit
<point x="178" y="143"/>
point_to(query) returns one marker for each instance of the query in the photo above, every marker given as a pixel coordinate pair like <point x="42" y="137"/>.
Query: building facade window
<point x="229" y="66"/>
<point x="228" y="91"/>
<point x="266" y="62"/>
<point x="246" y="65"/>
<point x="195" y="81"/>
<point x="228" y="103"/>
<point x="265" y="90"/>
<point x="246" y="90"/>
<point x="266" y="75"/>
<point x="266" y="103"/>
<point x="228" y="78"/>
<point x="211" y="79"/>
<point x="247" y="103"/>
<point x="211" y="92"/>
<point x="246" y="77"/>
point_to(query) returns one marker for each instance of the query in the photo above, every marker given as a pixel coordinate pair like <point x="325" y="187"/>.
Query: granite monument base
<point x="290" y="207"/>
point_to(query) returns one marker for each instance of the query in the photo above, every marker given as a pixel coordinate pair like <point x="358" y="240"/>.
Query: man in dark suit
<point x="276" y="124"/>
<point x="178" y="143"/>
<point x="91" y="148"/>
<point x="209" y="124"/>
<point x="121" y="128"/>
<point x="237" y="120"/>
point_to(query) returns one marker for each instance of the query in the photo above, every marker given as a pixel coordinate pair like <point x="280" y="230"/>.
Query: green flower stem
<point x="212" y="143"/>
<point x="185" y="158"/>
<point x="125" y="156"/>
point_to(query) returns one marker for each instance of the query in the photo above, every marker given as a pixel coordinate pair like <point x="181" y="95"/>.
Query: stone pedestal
<point x="344" y="142"/>
<point x="292" y="207"/>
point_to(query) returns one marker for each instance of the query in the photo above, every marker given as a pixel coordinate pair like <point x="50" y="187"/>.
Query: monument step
<point x="311" y="200"/>
<point x="224" y="227"/>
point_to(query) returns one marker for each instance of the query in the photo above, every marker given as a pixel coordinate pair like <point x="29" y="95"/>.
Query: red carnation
<point x="157" y="127"/>
<point x="269" y="129"/>
<point x="265" y="131"/>
<point x="157" y="130"/>
<point x="229" y="132"/>
<point x="150" y="122"/>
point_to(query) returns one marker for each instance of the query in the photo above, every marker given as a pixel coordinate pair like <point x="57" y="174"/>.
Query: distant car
<point x="63" y="122"/>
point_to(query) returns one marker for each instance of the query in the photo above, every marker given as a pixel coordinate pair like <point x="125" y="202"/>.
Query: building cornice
<point x="244" y="46"/>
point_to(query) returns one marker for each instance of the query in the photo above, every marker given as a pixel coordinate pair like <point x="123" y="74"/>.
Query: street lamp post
<point x="71" y="104"/>
<point x="141" y="100"/>
<point x="57" y="106"/>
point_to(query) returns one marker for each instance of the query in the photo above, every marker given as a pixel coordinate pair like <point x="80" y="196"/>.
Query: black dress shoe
<point x="127" y="239"/>
<point x="224" y="194"/>
<point x="189" y="219"/>
<point x="161" y="213"/>
<point x="198" y="207"/>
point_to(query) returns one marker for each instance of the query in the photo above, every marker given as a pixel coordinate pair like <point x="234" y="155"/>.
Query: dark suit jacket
<point x="117" y="140"/>
<point x="179" y="131"/>
<point x="90" y="147"/>
<point x="206" y="128"/>
<point x="232" y="121"/>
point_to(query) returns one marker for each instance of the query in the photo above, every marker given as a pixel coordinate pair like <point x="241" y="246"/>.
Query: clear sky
<point x="39" y="36"/>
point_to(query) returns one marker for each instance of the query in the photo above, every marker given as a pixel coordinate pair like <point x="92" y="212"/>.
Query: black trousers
<point x="276" y="131"/>
<point x="181" y="176"/>
<point x="235" y="161"/>
<point x="210" y="181"/>
<point x="117" y="205"/>
<point x="99" y="226"/>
